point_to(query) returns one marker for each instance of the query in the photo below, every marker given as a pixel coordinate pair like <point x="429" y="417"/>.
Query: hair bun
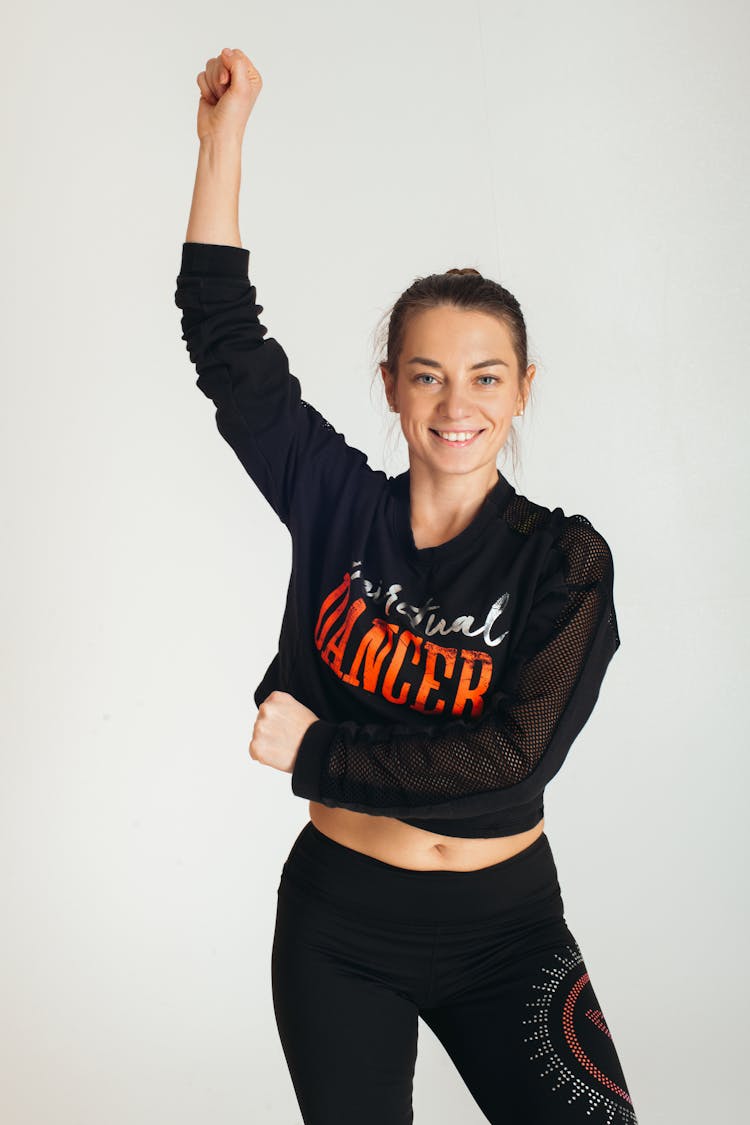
<point x="466" y="269"/>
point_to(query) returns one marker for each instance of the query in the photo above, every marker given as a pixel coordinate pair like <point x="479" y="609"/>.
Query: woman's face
<point x="457" y="372"/>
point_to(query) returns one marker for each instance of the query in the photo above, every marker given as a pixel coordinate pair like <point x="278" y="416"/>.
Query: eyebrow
<point x="434" y="362"/>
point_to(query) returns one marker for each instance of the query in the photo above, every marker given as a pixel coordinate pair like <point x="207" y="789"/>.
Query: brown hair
<point x="465" y="288"/>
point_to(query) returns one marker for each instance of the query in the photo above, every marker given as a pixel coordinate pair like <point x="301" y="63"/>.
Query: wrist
<point x="310" y="758"/>
<point x="217" y="143"/>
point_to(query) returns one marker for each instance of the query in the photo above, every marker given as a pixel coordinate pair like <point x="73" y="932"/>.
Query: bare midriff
<point x="403" y="845"/>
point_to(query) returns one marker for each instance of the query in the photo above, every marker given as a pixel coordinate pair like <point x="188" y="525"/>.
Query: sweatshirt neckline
<point x="492" y="505"/>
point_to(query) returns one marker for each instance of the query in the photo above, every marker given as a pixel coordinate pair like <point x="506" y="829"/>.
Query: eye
<point x="426" y="375"/>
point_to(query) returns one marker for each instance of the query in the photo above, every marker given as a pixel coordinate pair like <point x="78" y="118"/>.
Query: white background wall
<point x="591" y="156"/>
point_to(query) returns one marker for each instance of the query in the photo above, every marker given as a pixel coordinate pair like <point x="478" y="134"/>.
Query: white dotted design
<point x="613" y="1109"/>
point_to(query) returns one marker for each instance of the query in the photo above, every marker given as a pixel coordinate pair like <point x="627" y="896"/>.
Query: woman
<point x="444" y="641"/>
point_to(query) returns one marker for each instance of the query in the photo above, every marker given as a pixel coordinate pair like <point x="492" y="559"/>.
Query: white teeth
<point x="457" y="437"/>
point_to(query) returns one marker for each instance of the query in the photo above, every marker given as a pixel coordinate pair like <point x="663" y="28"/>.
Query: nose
<point x="454" y="405"/>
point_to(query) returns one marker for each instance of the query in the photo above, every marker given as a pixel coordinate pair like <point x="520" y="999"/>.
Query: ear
<point x="523" y="394"/>
<point x="390" y="387"/>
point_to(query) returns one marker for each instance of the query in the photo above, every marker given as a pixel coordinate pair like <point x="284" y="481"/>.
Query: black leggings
<point x="362" y="948"/>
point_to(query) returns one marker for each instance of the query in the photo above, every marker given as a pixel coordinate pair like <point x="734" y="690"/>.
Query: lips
<point x="458" y="444"/>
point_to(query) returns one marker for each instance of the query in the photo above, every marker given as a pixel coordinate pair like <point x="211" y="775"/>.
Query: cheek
<point x="508" y="405"/>
<point x="416" y="412"/>
<point x="501" y="411"/>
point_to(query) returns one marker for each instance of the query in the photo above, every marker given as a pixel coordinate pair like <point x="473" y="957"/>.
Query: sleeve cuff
<point x="310" y="758"/>
<point x="213" y="259"/>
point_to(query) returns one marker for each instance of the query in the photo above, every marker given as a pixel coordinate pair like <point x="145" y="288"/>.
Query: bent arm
<point x="464" y="768"/>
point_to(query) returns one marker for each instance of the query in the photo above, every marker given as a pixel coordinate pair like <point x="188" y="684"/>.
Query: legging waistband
<point x="525" y="886"/>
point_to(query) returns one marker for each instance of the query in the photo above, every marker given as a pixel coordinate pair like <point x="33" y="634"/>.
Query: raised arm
<point x="283" y="442"/>
<point x="465" y="768"/>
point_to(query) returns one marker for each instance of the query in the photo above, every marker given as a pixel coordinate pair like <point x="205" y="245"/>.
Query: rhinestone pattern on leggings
<point x="563" y="1015"/>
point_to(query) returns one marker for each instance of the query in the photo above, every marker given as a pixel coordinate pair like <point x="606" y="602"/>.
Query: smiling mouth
<point x="455" y="441"/>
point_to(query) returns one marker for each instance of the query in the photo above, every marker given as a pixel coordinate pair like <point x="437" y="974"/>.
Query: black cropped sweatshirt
<point x="449" y="681"/>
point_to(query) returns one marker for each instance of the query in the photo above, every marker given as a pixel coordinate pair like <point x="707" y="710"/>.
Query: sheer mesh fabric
<point x="547" y="695"/>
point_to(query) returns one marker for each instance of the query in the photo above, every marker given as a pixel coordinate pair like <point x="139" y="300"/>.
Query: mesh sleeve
<point x="260" y="411"/>
<point x="462" y="767"/>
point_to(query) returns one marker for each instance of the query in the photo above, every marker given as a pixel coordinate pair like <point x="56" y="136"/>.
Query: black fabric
<point x="451" y="681"/>
<point x="363" y="949"/>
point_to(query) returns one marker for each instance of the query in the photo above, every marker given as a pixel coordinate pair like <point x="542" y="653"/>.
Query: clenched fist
<point x="278" y="730"/>
<point x="229" y="87"/>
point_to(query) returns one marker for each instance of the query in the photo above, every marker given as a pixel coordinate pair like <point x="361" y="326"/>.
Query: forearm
<point x="214" y="214"/>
